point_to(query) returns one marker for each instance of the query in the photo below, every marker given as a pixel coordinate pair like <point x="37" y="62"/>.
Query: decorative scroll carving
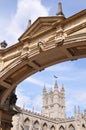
<point x="42" y="45"/>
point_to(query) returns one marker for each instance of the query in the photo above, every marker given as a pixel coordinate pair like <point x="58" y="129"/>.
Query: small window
<point x="61" y="128"/>
<point x="71" y="127"/>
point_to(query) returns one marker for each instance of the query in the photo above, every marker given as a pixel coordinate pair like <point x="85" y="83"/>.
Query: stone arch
<point x="36" y="125"/>
<point x="83" y="127"/>
<point x="27" y="119"/>
<point x="61" y="128"/>
<point x="71" y="127"/>
<point x="52" y="127"/>
<point x="33" y="61"/>
<point x="45" y="126"/>
<point x="26" y="123"/>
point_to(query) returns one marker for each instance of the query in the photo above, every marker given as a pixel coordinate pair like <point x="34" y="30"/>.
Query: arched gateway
<point x="48" y="41"/>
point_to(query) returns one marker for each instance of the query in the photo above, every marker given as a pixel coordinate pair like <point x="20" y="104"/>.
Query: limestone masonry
<point x="53" y="115"/>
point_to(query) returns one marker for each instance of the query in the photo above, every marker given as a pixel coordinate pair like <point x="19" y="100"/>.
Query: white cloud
<point x="37" y="82"/>
<point x="59" y="67"/>
<point x="75" y="98"/>
<point x="80" y="97"/>
<point x="26" y="9"/>
<point x="25" y="101"/>
<point x="37" y="103"/>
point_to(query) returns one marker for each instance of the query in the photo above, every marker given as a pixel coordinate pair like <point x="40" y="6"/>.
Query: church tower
<point x="54" y="102"/>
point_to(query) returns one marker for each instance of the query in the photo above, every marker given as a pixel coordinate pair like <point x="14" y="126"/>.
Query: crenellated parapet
<point x="40" y="121"/>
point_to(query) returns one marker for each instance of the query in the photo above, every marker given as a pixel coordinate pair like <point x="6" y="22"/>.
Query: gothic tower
<point x="54" y="102"/>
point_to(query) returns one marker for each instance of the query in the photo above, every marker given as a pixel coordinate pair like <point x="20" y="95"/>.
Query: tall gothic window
<point x="52" y="128"/>
<point x="36" y="125"/>
<point x="61" y="128"/>
<point x="71" y="127"/>
<point x="83" y="127"/>
<point x="26" y="124"/>
<point x="44" y="126"/>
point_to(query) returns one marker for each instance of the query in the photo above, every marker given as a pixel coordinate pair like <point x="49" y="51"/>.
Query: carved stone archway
<point x="48" y="41"/>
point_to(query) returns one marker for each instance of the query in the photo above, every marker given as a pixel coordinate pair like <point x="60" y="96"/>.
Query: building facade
<point x="53" y="115"/>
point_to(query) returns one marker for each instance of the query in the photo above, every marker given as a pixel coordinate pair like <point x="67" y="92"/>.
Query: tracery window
<point x="71" y="127"/>
<point x="26" y="124"/>
<point x="52" y="128"/>
<point x="83" y="127"/>
<point x="45" y="126"/>
<point x="36" y="125"/>
<point x="61" y="128"/>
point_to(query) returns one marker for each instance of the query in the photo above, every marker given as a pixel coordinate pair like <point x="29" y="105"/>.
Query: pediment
<point x="42" y="24"/>
<point x="73" y="25"/>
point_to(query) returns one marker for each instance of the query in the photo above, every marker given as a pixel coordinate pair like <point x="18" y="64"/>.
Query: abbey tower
<point x="53" y="116"/>
<point x="54" y="102"/>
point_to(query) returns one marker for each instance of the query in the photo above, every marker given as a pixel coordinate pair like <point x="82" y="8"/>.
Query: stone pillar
<point x="5" y="120"/>
<point x="0" y="121"/>
<point x="7" y="111"/>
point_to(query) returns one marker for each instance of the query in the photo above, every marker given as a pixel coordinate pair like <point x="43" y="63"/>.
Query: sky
<point x="14" y="16"/>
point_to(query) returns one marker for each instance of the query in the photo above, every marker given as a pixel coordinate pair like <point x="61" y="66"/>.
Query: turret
<point x="75" y="111"/>
<point x="62" y="89"/>
<point x="79" y="113"/>
<point x="56" y="93"/>
<point x="56" y="87"/>
<point x="44" y="90"/>
<point x="62" y="101"/>
<point x="44" y="96"/>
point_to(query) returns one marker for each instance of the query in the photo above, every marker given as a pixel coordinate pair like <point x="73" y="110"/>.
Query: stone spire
<point x="33" y="109"/>
<point x="62" y="89"/>
<point x="75" y="111"/>
<point x="78" y="110"/>
<point x="44" y="90"/>
<point x="60" y="12"/>
<point x="56" y="86"/>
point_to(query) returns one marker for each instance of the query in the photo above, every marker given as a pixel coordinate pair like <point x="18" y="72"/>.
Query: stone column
<point x="5" y="119"/>
<point x="0" y="120"/>
<point x="7" y="111"/>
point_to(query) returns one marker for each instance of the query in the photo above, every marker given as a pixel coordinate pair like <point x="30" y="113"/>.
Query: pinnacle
<point x="44" y="89"/>
<point x="60" y="12"/>
<point x="63" y="88"/>
<point x="56" y="85"/>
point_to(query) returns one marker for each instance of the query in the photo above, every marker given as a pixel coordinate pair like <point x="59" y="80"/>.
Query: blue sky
<point x="14" y="16"/>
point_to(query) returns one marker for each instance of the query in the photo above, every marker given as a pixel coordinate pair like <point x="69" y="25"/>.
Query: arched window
<point x="26" y="124"/>
<point x="44" y="126"/>
<point x="36" y="125"/>
<point x="71" y="127"/>
<point x="61" y="128"/>
<point x="83" y="127"/>
<point x="53" y="128"/>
